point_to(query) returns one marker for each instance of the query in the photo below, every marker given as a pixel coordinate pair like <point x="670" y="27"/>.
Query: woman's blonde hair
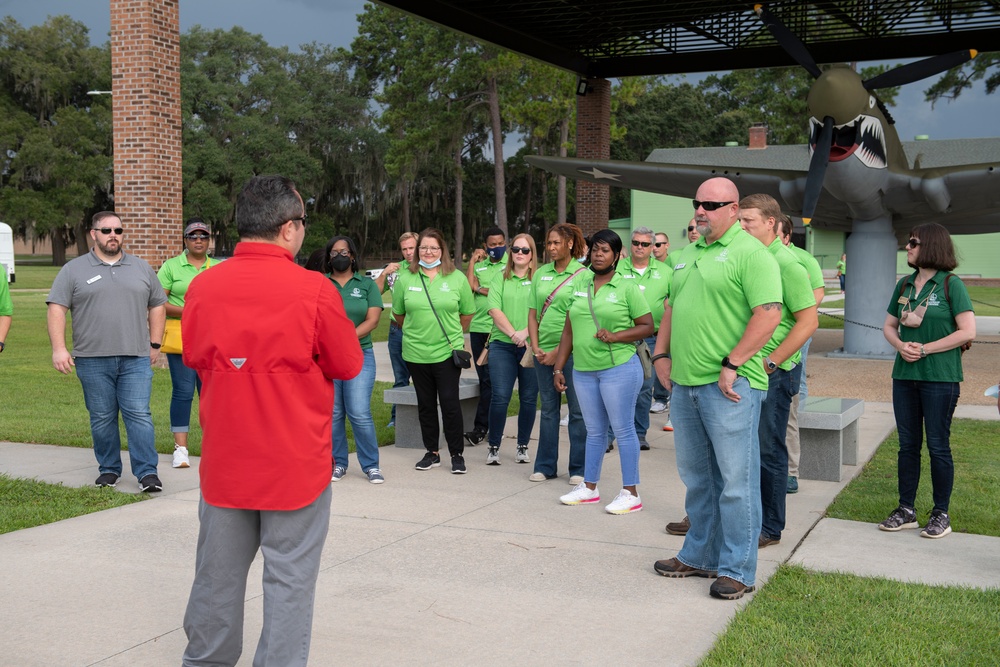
<point x="532" y="265"/>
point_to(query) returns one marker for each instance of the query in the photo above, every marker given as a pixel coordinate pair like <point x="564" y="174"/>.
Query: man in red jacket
<point x="267" y="338"/>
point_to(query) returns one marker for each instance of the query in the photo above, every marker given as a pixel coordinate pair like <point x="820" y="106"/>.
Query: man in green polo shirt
<point x="725" y="303"/>
<point x="759" y="216"/>
<point x="6" y="308"/>
<point x="652" y="277"/>
<point x="484" y="265"/>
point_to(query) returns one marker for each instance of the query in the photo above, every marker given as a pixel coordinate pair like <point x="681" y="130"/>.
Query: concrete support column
<point x="871" y="276"/>
<point x="593" y="142"/>
<point x="146" y="117"/>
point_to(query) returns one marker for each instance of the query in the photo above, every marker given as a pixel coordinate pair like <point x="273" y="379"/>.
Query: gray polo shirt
<point x="109" y="304"/>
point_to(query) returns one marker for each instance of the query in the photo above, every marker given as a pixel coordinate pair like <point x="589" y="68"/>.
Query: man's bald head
<point x="712" y="224"/>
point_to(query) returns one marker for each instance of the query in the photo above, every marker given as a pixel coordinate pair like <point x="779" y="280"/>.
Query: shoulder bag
<point x="460" y="358"/>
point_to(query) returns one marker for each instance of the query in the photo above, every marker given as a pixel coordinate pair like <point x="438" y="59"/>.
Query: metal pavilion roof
<point x="612" y="38"/>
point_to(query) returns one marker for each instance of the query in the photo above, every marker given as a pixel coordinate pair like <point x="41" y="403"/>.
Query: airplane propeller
<point x="902" y="75"/>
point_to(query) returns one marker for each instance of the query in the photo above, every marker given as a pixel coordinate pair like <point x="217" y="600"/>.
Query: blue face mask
<point x="497" y="253"/>
<point x="430" y="265"/>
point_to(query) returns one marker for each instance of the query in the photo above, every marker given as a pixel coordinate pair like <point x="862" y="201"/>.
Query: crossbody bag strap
<point x="552" y="295"/>
<point x="427" y="291"/>
<point x="597" y="325"/>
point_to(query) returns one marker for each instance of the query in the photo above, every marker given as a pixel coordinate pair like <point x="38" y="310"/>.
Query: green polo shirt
<point x="176" y="275"/>
<point x="544" y="282"/>
<point x="513" y="297"/>
<point x="616" y="304"/>
<point x="938" y="322"/>
<point x="485" y="271"/>
<point x="359" y="294"/>
<point x="654" y="283"/>
<point x="712" y="296"/>
<point x="842" y="267"/>
<point x="796" y="295"/>
<point x="6" y="305"/>
<point x="423" y="342"/>
<point x="811" y="265"/>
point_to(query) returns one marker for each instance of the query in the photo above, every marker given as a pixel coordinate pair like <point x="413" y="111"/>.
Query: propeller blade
<point x="792" y="45"/>
<point x="817" y="170"/>
<point x="920" y="70"/>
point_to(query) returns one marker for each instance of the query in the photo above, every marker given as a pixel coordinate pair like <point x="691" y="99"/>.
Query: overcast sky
<point x="295" y="22"/>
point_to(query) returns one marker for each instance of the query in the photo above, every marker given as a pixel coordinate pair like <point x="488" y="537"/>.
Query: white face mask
<point x="430" y="265"/>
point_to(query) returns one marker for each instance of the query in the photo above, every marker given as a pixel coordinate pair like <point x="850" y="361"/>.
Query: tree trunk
<point x="406" y="206"/>
<point x="499" y="184"/>
<point x="58" y="247"/>
<point x="530" y="175"/>
<point x="459" y="224"/>
<point x="561" y="180"/>
<point x="82" y="227"/>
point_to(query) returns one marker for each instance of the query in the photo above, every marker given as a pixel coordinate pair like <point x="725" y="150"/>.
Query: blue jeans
<point x="110" y="385"/>
<point x="400" y="372"/>
<point x="920" y="405"/>
<point x="608" y="397"/>
<point x="781" y="388"/>
<point x="547" y="455"/>
<point x="184" y="380"/>
<point x="719" y="462"/>
<point x="505" y="368"/>
<point x="352" y="399"/>
<point x="477" y="340"/>
<point x="642" y="402"/>
<point x="803" y="389"/>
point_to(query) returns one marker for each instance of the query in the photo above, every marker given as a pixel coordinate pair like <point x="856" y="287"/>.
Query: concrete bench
<point x="408" y="422"/>
<point x="828" y="433"/>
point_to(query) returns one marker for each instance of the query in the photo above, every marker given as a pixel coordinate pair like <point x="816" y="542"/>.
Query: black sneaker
<point x="107" y="479"/>
<point x="900" y="518"/>
<point x="150" y="484"/>
<point x="430" y="460"/>
<point x="474" y="437"/>
<point x="938" y="525"/>
<point x="458" y="465"/>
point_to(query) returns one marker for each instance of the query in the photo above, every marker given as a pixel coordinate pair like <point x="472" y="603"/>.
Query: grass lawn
<point x="34" y="276"/>
<point x="25" y="503"/>
<point x="811" y="619"/>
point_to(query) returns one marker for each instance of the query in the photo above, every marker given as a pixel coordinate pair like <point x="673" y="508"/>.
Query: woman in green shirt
<point x="930" y="318"/>
<point x="607" y="317"/>
<point x="508" y="301"/>
<point x="352" y="398"/>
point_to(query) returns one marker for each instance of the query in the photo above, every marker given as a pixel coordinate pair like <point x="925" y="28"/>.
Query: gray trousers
<point x="291" y="543"/>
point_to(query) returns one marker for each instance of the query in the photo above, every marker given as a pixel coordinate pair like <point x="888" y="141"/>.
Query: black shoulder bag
<point x="460" y="358"/>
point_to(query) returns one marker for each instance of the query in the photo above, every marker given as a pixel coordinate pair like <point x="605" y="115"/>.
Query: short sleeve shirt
<point x="544" y="282"/>
<point x="811" y="265"/>
<point x="176" y="275"/>
<point x="796" y="295"/>
<point x="512" y="297"/>
<point x="714" y="291"/>
<point x="653" y="283"/>
<point x="842" y="267"/>
<point x="938" y="322"/>
<point x="616" y="304"/>
<point x="485" y="271"/>
<point x="423" y="341"/>
<point x="359" y="294"/>
<point x="6" y="305"/>
<point x="110" y="304"/>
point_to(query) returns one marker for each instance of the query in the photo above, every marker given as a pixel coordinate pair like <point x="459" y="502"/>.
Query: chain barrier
<point x="869" y="326"/>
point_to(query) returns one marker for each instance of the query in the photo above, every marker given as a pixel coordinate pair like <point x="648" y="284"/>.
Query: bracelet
<point x="922" y="352"/>
<point x="556" y="370"/>
<point x="662" y="355"/>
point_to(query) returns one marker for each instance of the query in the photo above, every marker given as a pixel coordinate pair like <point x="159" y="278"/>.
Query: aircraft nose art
<point x="862" y="137"/>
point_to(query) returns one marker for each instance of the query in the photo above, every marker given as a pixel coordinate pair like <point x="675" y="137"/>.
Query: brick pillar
<point x="593" y="141"/>
<point x="146" y="116"/>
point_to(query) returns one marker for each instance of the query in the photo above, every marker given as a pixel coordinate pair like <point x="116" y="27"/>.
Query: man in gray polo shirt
<point x="118" y="312"/>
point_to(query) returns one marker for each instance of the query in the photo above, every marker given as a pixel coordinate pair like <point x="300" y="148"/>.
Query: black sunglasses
<point x="691" y="228"/>
<point x="644" y="244"/>
<point x="108" y="230"/>
<point x="519" y="250"/>
<point x="199" y="237"/>
<point x="303" y="219"/>
<point x="660" y="244"/>
<point x="912" y="243"/>
<point x="709" y="205"/>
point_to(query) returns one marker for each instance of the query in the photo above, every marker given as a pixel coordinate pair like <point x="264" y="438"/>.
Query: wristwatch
<point x="155" y="346"/>
<point x="728" y="364"/>
<point x="923" y="353"/>
<point x="770" y="364"/>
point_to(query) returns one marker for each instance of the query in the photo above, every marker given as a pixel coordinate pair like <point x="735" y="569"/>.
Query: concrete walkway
<point x="433" y="568"/>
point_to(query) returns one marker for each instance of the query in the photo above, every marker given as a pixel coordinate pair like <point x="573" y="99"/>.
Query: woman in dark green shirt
<point x="352" y="398"/>
<point x="930" y="318"/>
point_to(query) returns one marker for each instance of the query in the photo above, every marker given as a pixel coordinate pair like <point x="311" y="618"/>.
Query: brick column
<point x="146" y="116"/>
<point x="593" y="141"/>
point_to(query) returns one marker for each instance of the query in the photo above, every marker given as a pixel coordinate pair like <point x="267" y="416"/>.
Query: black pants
<point x="478" y="342"/>
<point x="434" y="382"/>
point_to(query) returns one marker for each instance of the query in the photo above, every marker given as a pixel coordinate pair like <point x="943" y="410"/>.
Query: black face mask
<point x="609" y="269"/>
<point x="340" y="263"/>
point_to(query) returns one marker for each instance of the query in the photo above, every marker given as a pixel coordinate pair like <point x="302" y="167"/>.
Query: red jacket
<point x="267" y="339"/>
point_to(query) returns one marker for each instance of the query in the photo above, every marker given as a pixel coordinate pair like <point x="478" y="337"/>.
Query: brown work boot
<point x="729" y="589"/>
<point x="675" y="569"/>
<point x="767" y="540"/>
<point x="679" y="527"/>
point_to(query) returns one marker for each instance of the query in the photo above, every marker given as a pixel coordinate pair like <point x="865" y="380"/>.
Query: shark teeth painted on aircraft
<point x="863" y="137"/>
<point x="871" y="143"/>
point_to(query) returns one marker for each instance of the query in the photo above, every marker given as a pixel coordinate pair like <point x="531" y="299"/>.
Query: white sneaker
<point x="522" y="454"/>
<point x="657" y="407"/>
<point x="624" y="503"/>
<point x="493" y="456"/>
<point x="537" y="477"/>
<point x="581" y="495"/>
<point x="575" y="479"/>
<point x="181" y="457"/>
<point x="564" y="421"/>
<point x="668" y="426"/>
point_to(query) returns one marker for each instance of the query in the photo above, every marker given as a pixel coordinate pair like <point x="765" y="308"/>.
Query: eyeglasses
<point x="912" y="243"/>
<point x="661" y="244"/>
<point x="691" y="228"/>
<point x="342" y="253"/>
<point x="108" y="230"/>
<point x="519" y="250"/>
<point x="196" y="237"/>
<point x="644" y="244"/>
<point x="303" y="219"/>
<point x="709" y="205"/>
<point x="429" y="248"/>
